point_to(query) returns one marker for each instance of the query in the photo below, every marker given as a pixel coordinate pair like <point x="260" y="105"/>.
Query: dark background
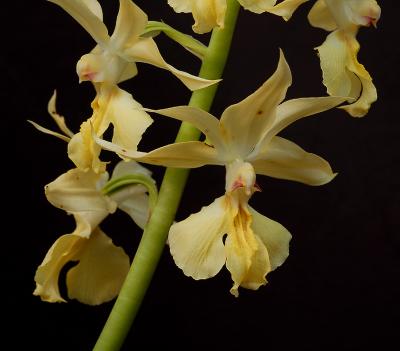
<point x="339" y="288"/>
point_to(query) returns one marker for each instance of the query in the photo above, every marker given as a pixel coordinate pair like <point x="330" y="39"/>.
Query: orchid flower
<point x="342" y="73"/>
<point x="209" y="14"/>
<point x="102" y="266"/>
<point x="244" y="141"/>
<point x="111" y="105"/>
<point x="114" y="58"/>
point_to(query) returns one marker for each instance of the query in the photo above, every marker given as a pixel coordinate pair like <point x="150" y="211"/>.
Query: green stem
<point x="156" y="231"/>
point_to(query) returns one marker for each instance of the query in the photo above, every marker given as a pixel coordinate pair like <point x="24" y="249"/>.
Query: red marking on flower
<point x="237" y="184"/>
<point x="88" y="75"/>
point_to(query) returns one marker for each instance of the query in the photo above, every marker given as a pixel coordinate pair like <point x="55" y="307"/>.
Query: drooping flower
<point x="114" y="58"/>
<point x="342" y="73"/>
<point x="111" y="105"/>
<point x="209" y="14"/>
<point x="102" y="266"/>
<point x="244" y="141"/>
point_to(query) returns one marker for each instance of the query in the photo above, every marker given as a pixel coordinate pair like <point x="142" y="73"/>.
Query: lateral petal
<point x="292" y="110"/>
<point x="284" y="159"/>
<point x="190" y="154"/>
<point x="145" y="50"/>
<point x="202" y="120"/>
<point x="128" y="118"/>
<point x="101" y="270"/>
<point x="196" y="242"/>
<point x="273" y="235"/>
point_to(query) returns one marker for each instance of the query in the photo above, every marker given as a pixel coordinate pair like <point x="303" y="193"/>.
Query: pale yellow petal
<point x="145" y="50"/>
<point x="47" y="274"/>
<point x="292" y="110"/>
<point x="320" y="16"/>
<point x="202" y="120"/>
<point x="196" y="242"/>
<point x="285" y="8"/>
<point x="134" y="201"/>
<point x="101" y="270"/>
<point x="342" y="73"/>
<point x="259" y="268"/>
<point x="95" y="7"/>
<point x="50" y="132"/>
<point x="208" y="14"/>
<point x="131" y="22"/>
<point x="274" y="236"/>
<point x="284" y="159"/>
<point x="368" y="92"/>
<point x="334" y="56"/>
<point x="124" y="168"/>
<point x="127" y="116"/>
<point x="78" y="193"/>
<point x="86" y="18"/>
<point x="189" y="154"/>
<point x="245" y="123"/>
<point x="84" y="152"/>
<point x="60" y="120"/>
<point x="240" y="247"/>
<point x="181" y="5"/>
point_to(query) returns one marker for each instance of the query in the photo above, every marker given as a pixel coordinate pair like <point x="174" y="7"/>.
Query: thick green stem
<point x="156" y="231"/>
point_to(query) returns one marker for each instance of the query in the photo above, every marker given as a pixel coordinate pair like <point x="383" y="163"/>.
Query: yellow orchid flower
<point x="111" y="105"/>
<point x="102" y="266"/>
<point x="342" y="73"/>
<point x="254" y="246"/>
<point x="209" y="14"/>
<point x="114" y="58"/>
<point x="244" y="141"/>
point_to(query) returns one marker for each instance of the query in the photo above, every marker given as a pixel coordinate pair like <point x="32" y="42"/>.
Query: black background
<point x="339" y="288"/>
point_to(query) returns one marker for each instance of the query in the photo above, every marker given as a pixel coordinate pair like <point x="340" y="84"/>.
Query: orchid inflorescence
<point x="244" y="140"/>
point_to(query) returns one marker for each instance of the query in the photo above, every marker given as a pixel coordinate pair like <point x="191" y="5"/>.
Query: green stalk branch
<point x="156" y="231"/>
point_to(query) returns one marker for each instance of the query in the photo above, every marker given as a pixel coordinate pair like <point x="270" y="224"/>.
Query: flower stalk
<point x="156" y="231"/>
